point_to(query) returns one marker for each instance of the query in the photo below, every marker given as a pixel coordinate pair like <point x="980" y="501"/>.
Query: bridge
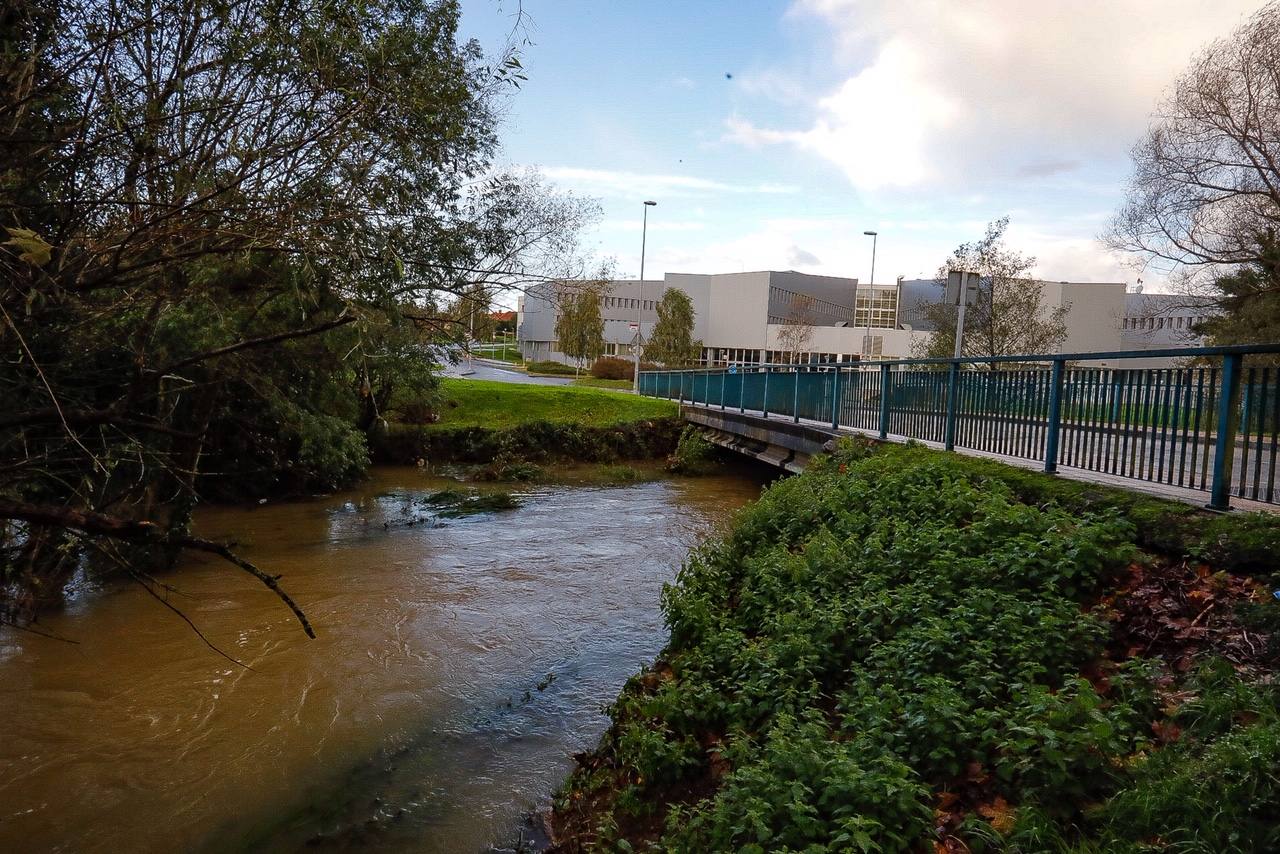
<point x="1207" y="432"/>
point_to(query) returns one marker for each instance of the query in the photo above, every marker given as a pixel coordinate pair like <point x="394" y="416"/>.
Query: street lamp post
<point x="644" y="232"/>
<point x="871" y="297"/>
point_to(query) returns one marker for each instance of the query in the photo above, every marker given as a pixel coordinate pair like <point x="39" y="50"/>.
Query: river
<point x="459" y="664"/>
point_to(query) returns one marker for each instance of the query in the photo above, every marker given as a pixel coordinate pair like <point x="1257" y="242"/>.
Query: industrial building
<point x="746" y="318"/>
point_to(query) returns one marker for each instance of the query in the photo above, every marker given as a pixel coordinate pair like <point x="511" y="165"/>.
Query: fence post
<point x="742" y="391"/>
<point x="1224" y="450"/>
<point x="1054" y="427"/>
<point x="953" y="387"/>
<point x="795" y="398"/>
<point x="764" y="400"/>
<point x="724" y="380"/>
<point x="884" y="401"/>
<point x="835" y="401"/>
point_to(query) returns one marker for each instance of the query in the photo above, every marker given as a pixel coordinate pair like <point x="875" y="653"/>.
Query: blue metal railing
<point x="1212" y="426"/>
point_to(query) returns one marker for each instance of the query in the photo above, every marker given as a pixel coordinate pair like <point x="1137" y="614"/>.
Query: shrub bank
<point x="907" y="651"/>
<point x="538" y="441"/>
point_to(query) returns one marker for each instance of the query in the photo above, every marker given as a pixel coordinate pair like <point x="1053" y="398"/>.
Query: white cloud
<point x="641" y="185"/>
<point x="878" y="126"/>
<point x="942" y="92"/>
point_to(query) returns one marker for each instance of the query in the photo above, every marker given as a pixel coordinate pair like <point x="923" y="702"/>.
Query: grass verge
<point x="593" y="382"/>
<point x="498" y="405"/>
<point x="508" y="426"/>
<point x="902" y="650"/>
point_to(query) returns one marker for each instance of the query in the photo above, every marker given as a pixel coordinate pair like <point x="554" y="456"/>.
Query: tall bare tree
<point x="1203" y="204"/>
<point x="796" y="330"/>
<point x="1206" y="176"/>
<point x="1009" y="315"/>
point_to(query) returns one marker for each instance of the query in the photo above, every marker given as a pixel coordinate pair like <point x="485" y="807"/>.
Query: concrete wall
<point x="1094" y="315"/>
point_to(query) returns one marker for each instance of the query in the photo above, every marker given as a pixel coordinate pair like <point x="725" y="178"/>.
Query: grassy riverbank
<point x="505" y="424"/>
<point x="498" y="405"/>
<point x="907" y="651"/>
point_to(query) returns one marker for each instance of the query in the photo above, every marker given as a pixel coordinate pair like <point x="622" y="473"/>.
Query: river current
<point x="459" y="664"/>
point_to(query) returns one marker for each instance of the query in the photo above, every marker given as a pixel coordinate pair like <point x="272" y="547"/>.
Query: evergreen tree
<point x="1249" y="299"/>
<point x="672" y="343"/>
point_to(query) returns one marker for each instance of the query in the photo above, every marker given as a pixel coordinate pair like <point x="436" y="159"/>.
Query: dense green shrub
<point x="693" y="455"/>
<point x="896" y="624"/>
<point x="555" y="368"/>
<point x="612" y="368"/>
<point x="617" y="368"/>
<point x="539" y="441"/>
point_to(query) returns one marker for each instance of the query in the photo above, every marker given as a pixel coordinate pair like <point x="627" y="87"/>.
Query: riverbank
<point x="902" y="650"/>
<point x="483" y="422"/>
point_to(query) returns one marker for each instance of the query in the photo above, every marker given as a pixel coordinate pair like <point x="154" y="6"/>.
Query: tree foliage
<point x="1009" y="315"/>
<point x="672" y="342"/>
<point x="579" y="326"/>
<point x="1248" y="299"/>
<point x="226" y="231"/>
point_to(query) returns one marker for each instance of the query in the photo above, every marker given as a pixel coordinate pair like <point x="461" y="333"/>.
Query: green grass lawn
<point x="592" y="382"/>
<point x="482" y="403"/>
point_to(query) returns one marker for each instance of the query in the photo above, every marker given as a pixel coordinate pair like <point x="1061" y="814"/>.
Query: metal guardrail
<point x="1212" y="427"/>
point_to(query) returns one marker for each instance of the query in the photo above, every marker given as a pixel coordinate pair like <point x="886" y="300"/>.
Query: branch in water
<point x="141" y="531"/>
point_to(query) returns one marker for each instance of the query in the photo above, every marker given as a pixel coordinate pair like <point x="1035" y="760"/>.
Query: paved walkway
<point x="489" y="369"/>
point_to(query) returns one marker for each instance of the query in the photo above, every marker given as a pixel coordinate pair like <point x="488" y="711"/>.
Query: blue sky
<point x="772" y="134"/>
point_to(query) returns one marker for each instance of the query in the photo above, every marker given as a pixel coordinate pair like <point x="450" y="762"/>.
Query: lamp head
<point x="870" y="233"/>
<point x="651" y="204"/>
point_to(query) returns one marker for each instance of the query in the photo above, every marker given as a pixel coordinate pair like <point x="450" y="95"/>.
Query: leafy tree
<point x="579" y="326"/>
<point x="672" y="343"/>
<point x="225" y="230"/>
<point x="1009" y="315"/>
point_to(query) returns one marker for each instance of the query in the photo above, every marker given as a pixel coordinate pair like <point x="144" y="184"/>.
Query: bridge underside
<point x="784" y="444"/>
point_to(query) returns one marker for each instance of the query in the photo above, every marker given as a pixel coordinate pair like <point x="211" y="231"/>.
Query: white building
<point x="739" y="317"/>
<point x="743" y="317"/>
<point x="1163" y="321"/>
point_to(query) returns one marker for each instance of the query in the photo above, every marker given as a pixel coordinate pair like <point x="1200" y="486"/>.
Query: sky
<point x="773" y="134"/>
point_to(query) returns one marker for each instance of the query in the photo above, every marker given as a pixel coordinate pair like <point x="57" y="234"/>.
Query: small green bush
<point x="555" y="368"/>
<point x="612" y="368"/>
<point x="617" y="368"/>
<point x="620" y="474"/>
<point x="693" y="455"/>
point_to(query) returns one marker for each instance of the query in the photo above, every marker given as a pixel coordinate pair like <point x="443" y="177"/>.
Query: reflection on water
<point x="459" y="665"/>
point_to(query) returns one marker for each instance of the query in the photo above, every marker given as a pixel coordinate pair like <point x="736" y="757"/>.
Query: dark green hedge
<point x="541" y="441"/>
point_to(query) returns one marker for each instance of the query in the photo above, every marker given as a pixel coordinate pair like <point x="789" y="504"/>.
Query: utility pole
<point x="871" y="297"/>
<point x="644" y="231"/>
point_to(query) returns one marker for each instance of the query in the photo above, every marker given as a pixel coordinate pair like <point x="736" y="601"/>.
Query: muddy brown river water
<point x="459" y="665"/>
